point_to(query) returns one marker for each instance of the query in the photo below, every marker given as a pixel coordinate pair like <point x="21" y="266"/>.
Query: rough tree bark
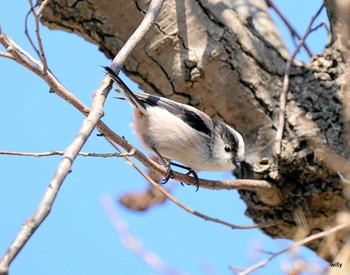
<point x="227" y="59"/>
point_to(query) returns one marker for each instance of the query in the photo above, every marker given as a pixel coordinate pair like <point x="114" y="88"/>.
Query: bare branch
<point x="139" y="33"/>
<point x="64" y="168"/>
<point x="263" y="188"/>
<point x="60" y="153"/>
<point x="96" y="112"/>
<point x="283" y="96"/>
<point x="26" y="32"/>
<point x="38" y="37"/>
<point x="183" y="206"/>
<point x="20" y="55"/>
<point x="296" y="245"/>
<point x="293" y="32"/>
<point x="7" y="55"/>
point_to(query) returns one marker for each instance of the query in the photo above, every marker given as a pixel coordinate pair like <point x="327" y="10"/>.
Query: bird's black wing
<point x="190" y="115"/>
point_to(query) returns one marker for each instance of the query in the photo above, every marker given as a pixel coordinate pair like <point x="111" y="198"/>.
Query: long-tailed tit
<point x="182" y="133"/>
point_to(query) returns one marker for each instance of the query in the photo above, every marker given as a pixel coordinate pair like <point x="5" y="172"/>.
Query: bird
<point x="180" y="132"/>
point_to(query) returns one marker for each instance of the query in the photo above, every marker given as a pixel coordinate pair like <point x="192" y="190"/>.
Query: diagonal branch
<point x="139" y="33"/>
<point x="63" y="169"/>
<point x="61" y="153"/>
<point x="183" y="206"/>
<point x="6" y="55"/>
<point x="293" y="32"/>
<point x="88" y="125"/>
<point x="295" y="245"/>
<point x="283" y="96"/>
<point x="40" y="52"/>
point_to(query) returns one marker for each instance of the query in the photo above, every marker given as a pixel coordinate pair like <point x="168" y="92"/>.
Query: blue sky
<point x="77" y="237"/>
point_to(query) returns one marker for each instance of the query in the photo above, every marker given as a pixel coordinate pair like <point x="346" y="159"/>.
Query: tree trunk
<point x="227" y="59"/>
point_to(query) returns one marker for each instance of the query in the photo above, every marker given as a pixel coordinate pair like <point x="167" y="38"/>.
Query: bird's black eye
<point x="228" y="148"/>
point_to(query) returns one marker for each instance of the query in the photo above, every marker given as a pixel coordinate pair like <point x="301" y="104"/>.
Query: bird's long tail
<point x="125" y="91"/>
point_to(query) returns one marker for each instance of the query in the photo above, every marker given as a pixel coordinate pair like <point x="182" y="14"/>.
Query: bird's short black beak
<point x="237" y="163"/>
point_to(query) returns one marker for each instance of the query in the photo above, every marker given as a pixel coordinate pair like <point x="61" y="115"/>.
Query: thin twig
<point x="26" y="32"/>
<point x="20" y="55"/>
<point x="283" y="96"/>
<point x="60" y="153"/>
<point x="7" y="55"/>
<point x="183" y="206"/>
<point x="139" y="33"/>
<point x="296" y="245"/>
<point x="322" y="24"/>
<point x="38" y="37"/>
<point x="293" y="31"/>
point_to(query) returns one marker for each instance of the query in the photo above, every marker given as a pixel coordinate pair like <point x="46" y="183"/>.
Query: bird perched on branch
<point x="176" y="131"/>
